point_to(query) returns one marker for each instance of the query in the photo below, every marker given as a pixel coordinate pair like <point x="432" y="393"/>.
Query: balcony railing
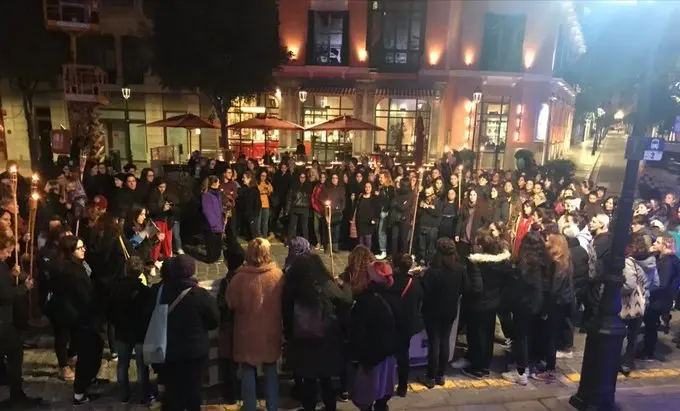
<point x="83" y="83"/>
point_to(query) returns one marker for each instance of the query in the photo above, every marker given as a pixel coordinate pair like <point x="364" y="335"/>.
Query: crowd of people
<point x="438" y="250"/>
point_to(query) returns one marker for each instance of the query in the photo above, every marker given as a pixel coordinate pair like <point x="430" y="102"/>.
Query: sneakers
<point x="440" y="381"/>
<point x="565" y="354"/>
<point x="515" y="377"/>
<point x="343" y="396"/>
<point x="546" y="376"/>
<point x="474" y="374"/>
<point x="460" y="363"/>
<point x="381" y="256"/>
<point x="66" y="374"/>
<point x="80" y="399"/>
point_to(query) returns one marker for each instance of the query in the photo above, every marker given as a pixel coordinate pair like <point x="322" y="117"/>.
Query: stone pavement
<point x="459" y="393"/>
<point x="585" y="162"/>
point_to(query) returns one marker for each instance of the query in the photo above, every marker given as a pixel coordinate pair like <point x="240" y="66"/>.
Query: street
<point x="609" y="169"/>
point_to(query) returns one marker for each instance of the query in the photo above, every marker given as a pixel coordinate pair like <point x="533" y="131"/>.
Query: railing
<point x="84" y="83"/>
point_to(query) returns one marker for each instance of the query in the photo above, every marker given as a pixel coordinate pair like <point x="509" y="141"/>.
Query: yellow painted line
<point x="637" y="374"/>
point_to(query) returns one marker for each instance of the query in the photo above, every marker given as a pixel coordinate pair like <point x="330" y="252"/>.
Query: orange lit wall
<point x="293" y="27"/>
<point x="358" y="25"/>
<point x="437" y="22"/>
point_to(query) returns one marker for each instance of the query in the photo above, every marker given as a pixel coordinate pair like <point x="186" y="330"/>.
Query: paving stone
<point x="525" y="406"/>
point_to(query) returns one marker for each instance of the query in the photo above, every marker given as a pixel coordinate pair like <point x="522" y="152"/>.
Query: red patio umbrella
<point x="186" y="121"/>
<point x="344" y="124"/>
<point x="266" y="123"/>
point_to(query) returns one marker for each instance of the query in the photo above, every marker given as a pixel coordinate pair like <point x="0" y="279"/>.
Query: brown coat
<point x="255" y="296"/>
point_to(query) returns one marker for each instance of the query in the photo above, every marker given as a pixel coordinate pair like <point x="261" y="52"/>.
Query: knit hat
<point x="298" y="246"/>
<point x="380" y="272"/>
<point x="445" y="246"/>
<point x="100" y="202"/>
<point x="181" y="270"/>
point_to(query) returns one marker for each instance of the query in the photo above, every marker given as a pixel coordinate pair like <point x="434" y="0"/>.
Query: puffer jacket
<point x="489" y="275"/>
<point x="300" y="197"/>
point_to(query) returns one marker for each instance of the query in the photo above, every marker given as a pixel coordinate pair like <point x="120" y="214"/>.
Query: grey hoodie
<point x="649" y="267"/>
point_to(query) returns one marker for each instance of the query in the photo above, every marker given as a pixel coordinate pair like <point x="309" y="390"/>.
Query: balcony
<point x="84" y="83"/>
<point x="72" y="15"/>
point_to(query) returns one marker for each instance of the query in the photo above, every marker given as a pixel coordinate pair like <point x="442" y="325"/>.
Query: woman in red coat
<point x="523" y="225"/>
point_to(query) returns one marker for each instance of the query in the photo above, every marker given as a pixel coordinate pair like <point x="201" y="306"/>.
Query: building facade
<point x="483" y="75"/>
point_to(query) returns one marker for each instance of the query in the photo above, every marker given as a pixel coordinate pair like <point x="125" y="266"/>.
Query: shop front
<point x="327" y="146"/>
<point x="249" y="142"/>
<point x="398" y="117"/>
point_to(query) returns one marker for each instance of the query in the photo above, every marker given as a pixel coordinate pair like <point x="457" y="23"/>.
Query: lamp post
<point x="476" y="100"/>
<point x="597" y="138"/>
<point x="127" y="92"/>
<point x="601" y="357"/>
<point x="546" y="144"/>
<point x="302" y="96"/>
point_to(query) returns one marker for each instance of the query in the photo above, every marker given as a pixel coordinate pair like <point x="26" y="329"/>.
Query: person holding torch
<point x="334" y="196"/>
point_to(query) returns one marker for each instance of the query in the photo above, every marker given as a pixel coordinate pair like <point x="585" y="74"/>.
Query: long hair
<point x="446" y="255"/>
<point x="258" y="252"/>
<point x="488" y="243"/>
<point x="131" y="224"/>
<point x="558" y="251"/>
<point x="107" y="224"/>
<point x="357" y="268"/>
<point x="67" y="246"/>
<point x="532" y="250"/>
<point x="387" y="176"/>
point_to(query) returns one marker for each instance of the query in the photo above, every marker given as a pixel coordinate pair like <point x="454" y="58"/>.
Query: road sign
<point x="645" y="148"/>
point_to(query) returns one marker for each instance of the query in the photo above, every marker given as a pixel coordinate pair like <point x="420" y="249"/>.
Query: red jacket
<point x="317" y="203"/>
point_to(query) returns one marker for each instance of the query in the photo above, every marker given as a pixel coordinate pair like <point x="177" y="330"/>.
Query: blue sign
<point x="645" y="148"/>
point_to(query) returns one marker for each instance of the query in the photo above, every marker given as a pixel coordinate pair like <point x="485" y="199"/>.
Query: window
<point x="492" y="118"/>
<point x="503" y="42"/>
<point x="100" y="51"/>
<point x="135" y="60"/>
<point x="398" y="118"/>
<point x="565" y="54"/>
<point x="396" y="33"/>
<point x="328" y="43"/>
<point x="321" y="108"/>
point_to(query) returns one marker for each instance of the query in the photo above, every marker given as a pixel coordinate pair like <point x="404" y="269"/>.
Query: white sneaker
<point x="460" y="364"/>
<point x="565" y="354"/>
<point x="516" y="377"/>
<point x="180" y="251"/>
<point x="381" y="256"/>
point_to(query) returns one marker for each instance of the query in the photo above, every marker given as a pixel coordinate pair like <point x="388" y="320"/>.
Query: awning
<point x="330" y="91"/>
<point x="417" y="93"/>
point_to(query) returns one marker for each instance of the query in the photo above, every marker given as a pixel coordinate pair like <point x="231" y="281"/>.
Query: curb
<point x="597" y="160"/>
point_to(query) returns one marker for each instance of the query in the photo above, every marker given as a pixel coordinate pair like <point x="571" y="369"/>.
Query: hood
<point x="249" y="269"/>
<point x="648" y="264"/>
<point x="490" y="258"/>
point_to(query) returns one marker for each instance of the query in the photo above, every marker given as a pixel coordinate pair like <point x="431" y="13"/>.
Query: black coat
<point x="300" y="198"/>
<point x="430" y="217"/>
<point x="75" y="289"/>
<point x="321" y="357"/>
<point x="411" y="303"/>
<point x="281" y="184"/>
<point x="9" y="293"/>
<point x="189" y="322"/>
<point x="579" y="261"/>
<point x="401" y="209"/>
<point x="336" y="196"/>
<point x="480" y="218"/>
<point x="248" y="202"/>
<point x="385" y="196"/>
<point x="524" y="290"/>
<point x="366" y="212"/>
<point x="447" y="225"/>
<point x="442" y="289"/>
<point x="489" y="275"/>
<point x="156" y="203"/>
<point x="131" y="306"/>
<point x="661" y="299"/>
<point x="374" y="333"/>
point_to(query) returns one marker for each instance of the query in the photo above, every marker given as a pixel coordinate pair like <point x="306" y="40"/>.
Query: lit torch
<point x="330" y="238"/>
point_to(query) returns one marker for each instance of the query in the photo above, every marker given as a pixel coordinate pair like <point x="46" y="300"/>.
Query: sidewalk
<point x="585" y="162"/>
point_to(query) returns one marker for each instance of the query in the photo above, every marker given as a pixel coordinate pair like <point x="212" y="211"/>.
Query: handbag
<point x="156" y="338"/>
<point x="633" y="305"/>
<point x="308" y="322"/>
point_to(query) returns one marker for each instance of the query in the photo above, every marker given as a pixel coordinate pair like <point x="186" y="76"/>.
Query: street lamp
<point x="302" y="95"/>
<point x="476" y="99"/>
<point x="127" y="93"/>
<point x="619" y="115"/>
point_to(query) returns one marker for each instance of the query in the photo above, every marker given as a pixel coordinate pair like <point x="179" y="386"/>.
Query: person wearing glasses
<point x="299" y="204"/>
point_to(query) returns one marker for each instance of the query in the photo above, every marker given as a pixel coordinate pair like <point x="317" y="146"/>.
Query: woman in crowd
<point x="255" y="297"/>
<point x="661" y="297"/>
<point x="356" y="273"/>
<point x="248" y="206"/>
<point x="132" y="301"/>
<point x="410" y="293"/>
<point x="523" y="225"/>
<point x="444" y="282"/>
<point x="385" y="194"/>
<point x="299" y="204"/>
<point x="374" y="338"/>
<point x="319" y="211"/>
<point x="265" y="187"/>
<point x="366" y="210"/>
<point x="213" y="212"/>
<point x="313" y="305"/>
<point x="161" y="213"/>
<point x="81" y="305"/>
<point x="140" y="234"/>
<point x="523" y="297"/>
<point x="471" y="218"/>
<point x="401" y="215"/>
<point x="447" y="225"/>
<point x="145" y="185"/>
<point x="192" y="313"/>
<point x="333" y="196"/>
<point x="634" y="299"/>
<point x="490" y="270"/>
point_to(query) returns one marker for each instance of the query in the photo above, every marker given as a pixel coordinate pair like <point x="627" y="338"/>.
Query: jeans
<point x="505" y="318"/>
<point x="183" y="384"/>
<point x="263" y="227"/>
<point x="426" y="241"/>
<point x="62" y="338"/>
<point x="438" y="333"/>
<point x="318" y="223"/>
<point x="10" y="347"/>
<point x="565" y="327"/>
<point x="335" y="235"/>
<point x="400" y="233"/>
<point x="90" y="347"/>
<point x="382" y="231"/>
<point x="403" y="360"/>
<point x="633" y="326"/>
<point x="521" y="333"/>
<point x="249" y="382"/>
<point x="651" y="320"/>
<point x="124" y="356"/>
<point x="176" y="236"/>
<point x="303" y="218"/>
<point x="480" y="333"/>
<point x="545" y="340"/>
<point x="309" y="391"/>
<point x="213" y="246"/>
<point x="365" y="240"/>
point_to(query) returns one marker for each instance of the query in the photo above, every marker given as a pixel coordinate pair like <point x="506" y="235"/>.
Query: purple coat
<point x="211" y="204"/>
